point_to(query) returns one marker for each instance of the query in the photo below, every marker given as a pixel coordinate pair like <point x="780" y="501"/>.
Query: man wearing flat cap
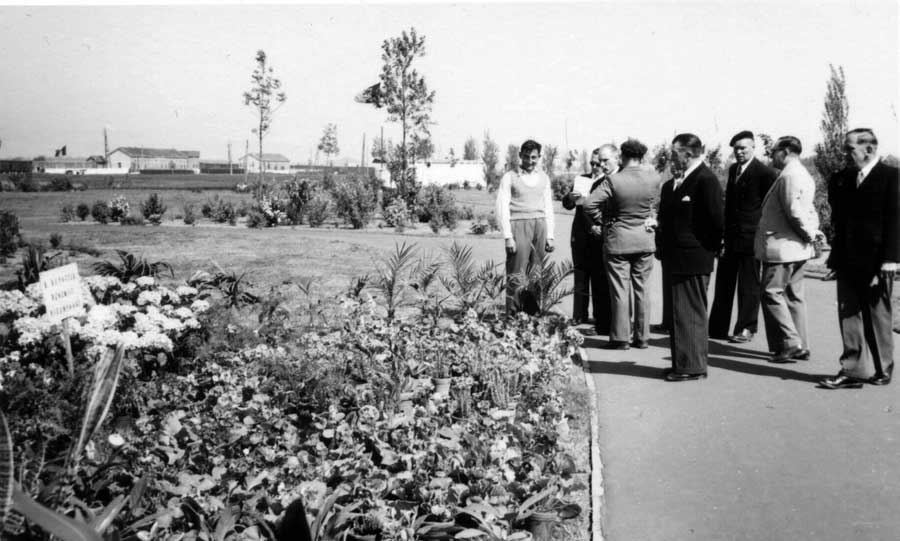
<point x="748" y="182"/>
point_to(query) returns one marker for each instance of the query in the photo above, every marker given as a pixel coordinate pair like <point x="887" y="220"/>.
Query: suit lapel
<point x="689" y="180"/>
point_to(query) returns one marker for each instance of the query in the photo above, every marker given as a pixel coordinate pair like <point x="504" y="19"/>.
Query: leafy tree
<point x="470" y="150"/>
<point x="714" y="160"/>
<point x="381" y="149"/>
<point x="660" y="160"/>
<point x="548" y="158"/>
<point x="403" y="92"/>
<point x="512" y="158"/>
<point x="421" y="147"/>
<point x="767" y="143"/>
<point x="585" y="160"/>
<point x="265" y="97"/>
<point x="491" y="157"/>
<point x="328" y="144"/>
<point x="829" y="156"/>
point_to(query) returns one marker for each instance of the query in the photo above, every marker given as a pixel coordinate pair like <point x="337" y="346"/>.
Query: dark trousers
<point x="628" y="275"/>
<point x="741" y="271"/>
<point x="666" y="298"/>
<point x="689" y="339"/>
<point x="591" y="287"/>
<point x="865" y="314"/>
<point x="531" y="240"/>
<point x="784" y="310"/>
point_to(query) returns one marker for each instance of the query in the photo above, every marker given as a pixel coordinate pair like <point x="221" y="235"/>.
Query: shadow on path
<point x="625" y="368"/>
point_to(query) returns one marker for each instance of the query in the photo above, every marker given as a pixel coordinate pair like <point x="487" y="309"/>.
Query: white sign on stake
<point x="61" y="288"/>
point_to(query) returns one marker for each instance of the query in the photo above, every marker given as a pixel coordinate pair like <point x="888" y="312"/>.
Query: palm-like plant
<point x="233" y="287"/>
<point x="131" y="266"/>
<point x="34" y="262"/>
<point x="540" y="287"/>
<point x="392" y="278"/>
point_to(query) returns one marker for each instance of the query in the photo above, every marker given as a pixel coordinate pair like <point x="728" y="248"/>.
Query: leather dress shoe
<point x="639" y="344"/>
<point x="788" y="355"/>
<point x="801" y="355"/>
<point x="841" y="381"/>
<point x="673" y="376"/>
<point x="882" y="379"/>
<point x="615" y="344"/>
<point x="742" y="337"/>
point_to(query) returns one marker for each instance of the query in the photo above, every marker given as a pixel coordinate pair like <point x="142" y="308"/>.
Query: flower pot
<point x="541" y="523"/>
<point x="441" y="386"/>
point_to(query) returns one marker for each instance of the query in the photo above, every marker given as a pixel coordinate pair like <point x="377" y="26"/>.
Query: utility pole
<point x="362" y="158"/>
<point x="246" y="153"/>
<point x="105" y="148"/>
<point x="230" y="168"/>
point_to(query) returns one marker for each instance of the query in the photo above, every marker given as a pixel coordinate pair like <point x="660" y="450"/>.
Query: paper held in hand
<point x="61" y="288"/>
<point x="583" y="185"/>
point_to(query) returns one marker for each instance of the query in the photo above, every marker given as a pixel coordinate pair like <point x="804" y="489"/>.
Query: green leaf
<point x="469" y="533"/>
<point x="54" y="523"/>
<point x="106" y="378"/>
<point x="6" y="469"/>
<point x="106" y="517"/>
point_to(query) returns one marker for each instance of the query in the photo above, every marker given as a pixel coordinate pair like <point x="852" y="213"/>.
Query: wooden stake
<point x="67" y="343"/>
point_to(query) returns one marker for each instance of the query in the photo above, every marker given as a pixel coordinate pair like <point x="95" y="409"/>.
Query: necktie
<point x="859" y="178"/>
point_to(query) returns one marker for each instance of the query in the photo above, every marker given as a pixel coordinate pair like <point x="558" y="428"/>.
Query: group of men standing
<point x="762" y="230"/>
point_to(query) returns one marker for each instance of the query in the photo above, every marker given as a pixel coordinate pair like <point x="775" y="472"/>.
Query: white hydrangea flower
<point x="145" y="281"/>
<point x="192" y="323"/>
<point x="32" y="330"/>
<point x="184" y="312"/>
<point x="100" y="284"/>
<point x="129" y="287"/>
<point x="155" y="341"/>
<point x="199" y="306"/>
<point x="149" y="297"/>
<point x="35" y="292"/>
<point x="16" y="303"/>
<point x="186" y="291"/>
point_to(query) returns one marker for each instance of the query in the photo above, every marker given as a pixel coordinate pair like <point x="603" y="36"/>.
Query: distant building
<point x="444" y="172"/>
<point x="272" y="163"/>
<point x="221" y="167"/>
<point x="136" y="159"/>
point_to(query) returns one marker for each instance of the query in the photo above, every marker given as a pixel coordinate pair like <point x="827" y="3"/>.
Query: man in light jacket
<point x="784" y="242"/>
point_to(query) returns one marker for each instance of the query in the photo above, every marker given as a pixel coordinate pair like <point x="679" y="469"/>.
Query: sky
<point x="574" y="75"/>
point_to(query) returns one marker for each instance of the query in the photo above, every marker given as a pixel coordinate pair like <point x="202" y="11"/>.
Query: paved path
<point x="755" y="452"/>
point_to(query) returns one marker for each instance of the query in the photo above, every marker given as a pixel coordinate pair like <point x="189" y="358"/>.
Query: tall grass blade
<point x="6" y="469"/>
<point x="106" y="517"/>
<point x="106" y="378"/>
<point x="54" y="523"/>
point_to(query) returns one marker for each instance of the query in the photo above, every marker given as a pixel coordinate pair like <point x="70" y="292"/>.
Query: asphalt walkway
<point x="754" y="452"/>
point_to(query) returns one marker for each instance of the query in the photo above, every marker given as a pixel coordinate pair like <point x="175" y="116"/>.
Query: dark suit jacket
<point x="866" y="220"/>
<point x="582" y="240"/>
<point x="691" y="223"/>
<point x="743" y="204"/>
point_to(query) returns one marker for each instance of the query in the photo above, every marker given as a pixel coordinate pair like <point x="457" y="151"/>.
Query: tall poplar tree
<point x="265" y="97"/>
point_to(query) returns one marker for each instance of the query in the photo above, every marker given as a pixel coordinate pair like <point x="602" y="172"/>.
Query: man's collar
<point x="866" y="169"/>
<point x="697" y="163"/>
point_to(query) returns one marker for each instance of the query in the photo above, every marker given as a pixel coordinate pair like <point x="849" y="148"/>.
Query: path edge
<point x="596" y="463"/>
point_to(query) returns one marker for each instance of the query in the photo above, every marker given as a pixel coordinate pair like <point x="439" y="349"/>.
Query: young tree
<point x="660" y="159"/>
<point x="490" y="155"/>
<point x="452" y="157"/>
<point x="421" y="147"/>
<point x="767" y="143"/>
<point x="512" y="158"/>
<point x="403" y="92"/>
<point x="470" y="150"/>
<point x="381" y="149"/>
<point x="328" y="144"/>
<point x="829" y="156"/>
<point x="549" y="153"/>
<point x="266" y="98"/>
<point x="585" y="160"/>
<point x="714" y="160"/>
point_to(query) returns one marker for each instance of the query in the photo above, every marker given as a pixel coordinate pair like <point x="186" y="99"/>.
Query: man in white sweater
<point x="784" y="242"/>
<point x="525" y="214"/>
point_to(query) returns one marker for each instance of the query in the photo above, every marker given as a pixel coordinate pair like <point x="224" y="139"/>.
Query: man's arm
<point x="573" y="198"/>
<point x="891" y="225"/>
<point x="797" y="202"/>
<point x="594" y="204"/>
<point x="713" y="201"/>
<point x="502" y="207"/>
<point x="548" y="209"/>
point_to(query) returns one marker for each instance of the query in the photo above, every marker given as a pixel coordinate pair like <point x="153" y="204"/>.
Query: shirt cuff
<point x="890" y="266"/>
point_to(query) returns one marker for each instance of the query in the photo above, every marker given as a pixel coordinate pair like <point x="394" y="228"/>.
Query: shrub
<point x="396" y="215"/>
<point x="467" y="185"/>
<point x="190" y="213"/>
<point x="319" y="208"/>
<point x="55" y="240"/>
<point x="119" y="208"/>
<point x="9" y="233"/>
<point x="559" y="185"/>
<point x="242" y="188"/>
<point x="243" y="208"/>
<point x="297" y="192"/>
<point x="100" y="212"/>
<point x="34" y="262"/>
<point x="466" y="212"/>
<point x="479" y="226"/>
<point x="153" y="209"/>
<point x="132" y="219"/>
<point x="67" y="213"/>
<point x="131" y="266"/>
<point x="355" y="202"/>
<point x="59" y="184"/>
<point x="437" y="206"/>
<point x="219" y="211"/>
<point x="83" y="210"/>
<point x="256" y="219"/>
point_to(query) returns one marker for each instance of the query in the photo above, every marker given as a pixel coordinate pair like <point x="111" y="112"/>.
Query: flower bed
<point x="219" y="426"/>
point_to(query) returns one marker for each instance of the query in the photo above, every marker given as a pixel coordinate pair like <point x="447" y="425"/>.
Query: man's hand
<point x="548" y="246"/>
<point x="575" y="195"/>
<point x="510" y="246"/>
<point x="650" y="224"/>
<point x="597" y="231"/>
